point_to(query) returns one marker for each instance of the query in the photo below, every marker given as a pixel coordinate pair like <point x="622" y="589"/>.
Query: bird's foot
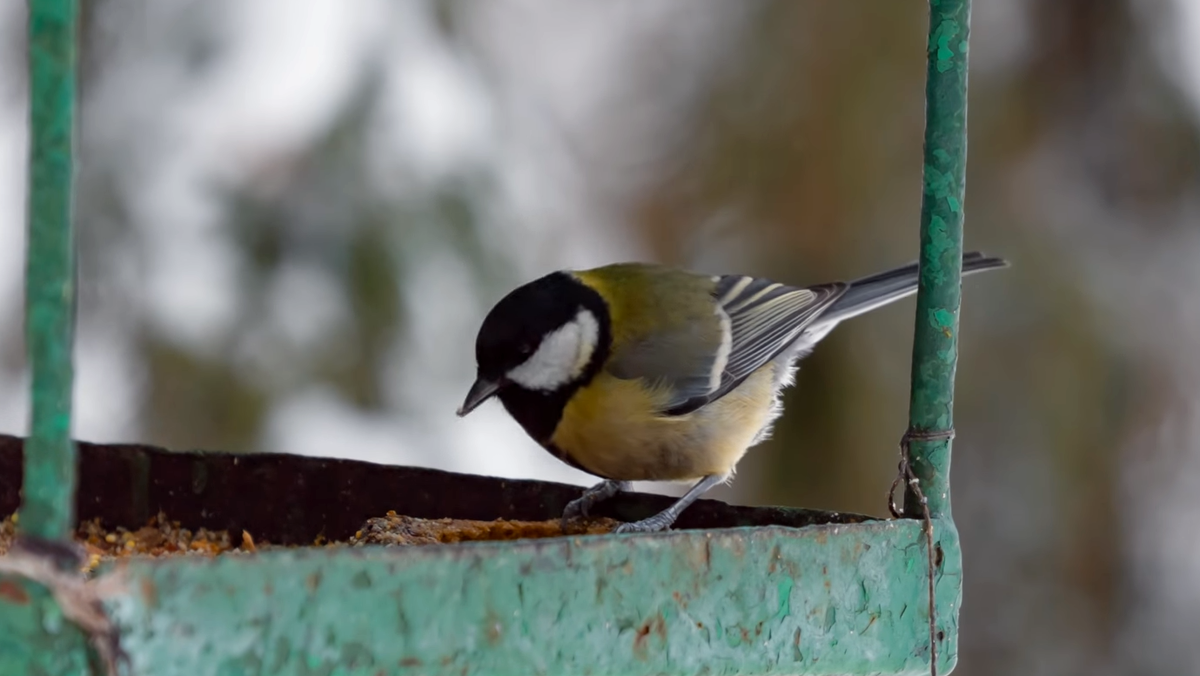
<point x="581" y="506"/>
<point x="659" y="522"/>
<point x="664" y="519"/>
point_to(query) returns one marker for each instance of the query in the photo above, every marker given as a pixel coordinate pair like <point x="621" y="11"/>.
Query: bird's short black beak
<point x="480" y="392"/>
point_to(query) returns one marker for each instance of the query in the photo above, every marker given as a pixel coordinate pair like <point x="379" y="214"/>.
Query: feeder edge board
<point x="831" y="599"/>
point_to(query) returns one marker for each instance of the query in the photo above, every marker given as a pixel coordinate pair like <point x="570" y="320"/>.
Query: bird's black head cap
<point x="515" y="327"/>
<point x="513" y="331"/>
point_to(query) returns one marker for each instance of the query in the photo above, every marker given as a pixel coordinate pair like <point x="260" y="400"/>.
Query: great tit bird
<point x="639" y="372"/>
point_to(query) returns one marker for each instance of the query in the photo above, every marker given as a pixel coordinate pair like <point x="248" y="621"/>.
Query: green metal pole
<point x="50" y="471"/>
<point x="935" y="343"/>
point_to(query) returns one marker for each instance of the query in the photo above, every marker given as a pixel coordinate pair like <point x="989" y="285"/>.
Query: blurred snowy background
<point x="293" y="215"/>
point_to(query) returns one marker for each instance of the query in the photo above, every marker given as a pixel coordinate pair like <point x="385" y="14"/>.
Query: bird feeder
<point x="732" y="590"/>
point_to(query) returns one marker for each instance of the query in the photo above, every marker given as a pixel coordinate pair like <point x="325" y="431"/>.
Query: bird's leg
<point x="579" y="507"/>
<point x="665" y="518"/>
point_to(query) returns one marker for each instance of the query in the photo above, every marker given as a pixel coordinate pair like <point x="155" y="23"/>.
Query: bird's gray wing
<point x="679" y="357"/>
<point x="760" y="319"/>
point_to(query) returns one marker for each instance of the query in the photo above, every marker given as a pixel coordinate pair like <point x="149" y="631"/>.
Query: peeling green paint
<point x="935" y="351"/>
<point x="943" y="319"/>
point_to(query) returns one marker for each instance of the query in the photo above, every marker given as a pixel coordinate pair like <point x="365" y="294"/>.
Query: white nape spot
<point x="722" y="358"/>
<point x="562" y="355"/>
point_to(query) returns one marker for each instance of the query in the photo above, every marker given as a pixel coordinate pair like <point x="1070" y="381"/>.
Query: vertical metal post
<point x="50" y="463"/>
<point x="935" y="346"/>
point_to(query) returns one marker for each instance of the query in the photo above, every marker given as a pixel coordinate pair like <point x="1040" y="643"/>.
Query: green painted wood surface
<point x="935" y="342"/>
<point x="817" y="600"/>
<point x="50" y="280"/>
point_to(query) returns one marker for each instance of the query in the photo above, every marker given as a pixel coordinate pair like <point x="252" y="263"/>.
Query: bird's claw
<point x="581" y="506"/>
<point x="654" y="524"/>
<point x="576" y="509"/>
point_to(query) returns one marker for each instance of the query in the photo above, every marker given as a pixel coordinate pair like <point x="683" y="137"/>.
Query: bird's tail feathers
<point x="872" y="292"/>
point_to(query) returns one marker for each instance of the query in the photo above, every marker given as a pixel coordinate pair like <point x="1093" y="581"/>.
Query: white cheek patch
<point x="561" y="357"/>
